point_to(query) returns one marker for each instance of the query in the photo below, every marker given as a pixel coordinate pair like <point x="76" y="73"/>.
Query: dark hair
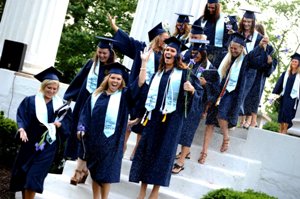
<point x="241" y="27"/>
<point x="212" y="18"/>
<point x="260" y="28"/>
<point x="203" y="58"/>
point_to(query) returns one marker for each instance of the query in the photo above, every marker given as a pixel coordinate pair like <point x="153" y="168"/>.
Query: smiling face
<point x="236" y="49"/>
<point x="211" y="7"/>
<point x="103" y="54"/>
<point x="247" y="23"/>
<point x="169" y="55"/>
<point x="294" y="63"/>
<point x="50" y="90"/>
<point x="197" y="55"/>
<point x="114" y="82"/>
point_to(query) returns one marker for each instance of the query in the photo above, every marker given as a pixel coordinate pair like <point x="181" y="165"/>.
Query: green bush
<point x="231" y="194"/>
<point x="271" y="126"/>
<point x="8" y="143"/>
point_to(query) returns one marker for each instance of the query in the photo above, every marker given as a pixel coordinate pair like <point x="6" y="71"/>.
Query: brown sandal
<point x="202" y="158"/>
<point x="225" y="145"/>
<point x="76" y="177"/>
<point x="177" y="168"/>
<point x="188" y="156"/>
<point x="84" y="177"/>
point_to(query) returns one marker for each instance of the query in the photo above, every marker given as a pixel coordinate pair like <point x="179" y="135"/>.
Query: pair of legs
<point x="100" y="191"/>
<point x="249" y="120"/>
<point x="128" y="131"/>
<point x="209" y="129"/>
<point x="153" y="194"/>
<point x="81" y="172"/>
<point x="283" y="127"/>
<point x="184" y="154"/>
<point x="28" y="194"/>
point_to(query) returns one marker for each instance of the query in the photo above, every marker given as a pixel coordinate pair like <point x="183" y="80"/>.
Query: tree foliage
<point x="86" y="19"/>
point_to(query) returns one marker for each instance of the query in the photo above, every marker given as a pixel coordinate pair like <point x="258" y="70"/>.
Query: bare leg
<point x="285" y="128"/>
<point x="185" y="150"/>
<point x="154" y="192"/>
<point x="29" y="194"/>
<point x="209" y="129"/>
<point x="96" y="190"/>
<point x="281" y="127"/>
<point x="138" y="138"/>
<point x="143" y="189"/>
<point x="127" y="134"/>
<point x="105" y="190"/>
<point x="242" y="120"/>
<point x="254" y="120"/>
<point x="224" y="128"/>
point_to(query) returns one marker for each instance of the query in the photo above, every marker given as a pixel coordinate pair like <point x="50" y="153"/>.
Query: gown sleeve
<point x="279" y="85"/>
<point x="74" y="88"/>
<point x="195" y="100"/>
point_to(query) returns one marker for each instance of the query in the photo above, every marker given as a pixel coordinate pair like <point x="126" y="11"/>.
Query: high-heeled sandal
<point x="84" y="177"/>
<point x="76" y="177"/>
<point x="202" y="158"/>
<point x="188" y="156"/>
<point x="225" y="145"/>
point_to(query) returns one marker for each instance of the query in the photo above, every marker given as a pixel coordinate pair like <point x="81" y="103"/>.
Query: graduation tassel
<point x="145" y="121"/>
<point x="164" y="119"/>
<point x="145" y="118"/>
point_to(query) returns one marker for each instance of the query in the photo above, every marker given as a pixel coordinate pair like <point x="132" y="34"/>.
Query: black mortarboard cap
<point x="105" y="42"/>
<point x="199" y="45"/>
<point x="183" y="18"/>
<point x="175" y="43"/>
<point x="249" y="13"/>
<point x="232" y="19"/>
<point x="158" y="29"/>
<point x="296" y="56"/>
<point x="212" y="1"/>
<point x="240" y="39"/>
<point x="50" y="73"/>
<point x="197" y="29"/>
<point x="117" y="68"/>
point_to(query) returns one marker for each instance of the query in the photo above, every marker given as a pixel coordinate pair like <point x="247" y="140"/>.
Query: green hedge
<point x="271" y="126"/>
<point x="8" y="143"/>
<point x="232" y="194"/>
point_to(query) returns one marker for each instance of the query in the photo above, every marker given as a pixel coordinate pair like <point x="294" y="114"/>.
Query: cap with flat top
<point x="240" y="39"/>
<point x="183" y="18"/>
<point x="50" y="73"/>
<point x="157" y="30"/>
<point x="175" y="43"/>
<point x="197" y="30"/>
<point x="250" y="12"/>
<point x="199" y="45"/>
<point x="105" y="42"/>
<point x="213" y="1"/>
<point x="296" y="56"/>
<point x="117" y="68"/>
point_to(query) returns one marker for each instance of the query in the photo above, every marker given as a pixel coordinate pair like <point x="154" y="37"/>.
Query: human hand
<point x="270" y="59"/>
<point x="112" y="22"/>
<point x="264" y="42"/>
<point x="57" y="124"/>
<point x="146" y="54"/>
<point x="187" y="86"/>
<point x="23" y="135"/>
<point x="202" y="81"/>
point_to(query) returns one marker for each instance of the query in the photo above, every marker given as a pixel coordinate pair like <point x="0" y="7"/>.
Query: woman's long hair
<point x="111" y="59"/>
<point x="212" y="18"/>
<point x="154" y="44"/>
<point x="104" y="85"/>
<point x="178" y="63"/>
<point x="290" y="68"/>
<point x="241" y="28"/>
<point x="228" y="59"/>
<point x="187" y="29"/>
<point x="203" y="59"/>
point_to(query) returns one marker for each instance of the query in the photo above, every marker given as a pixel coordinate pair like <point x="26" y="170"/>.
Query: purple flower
<point x="278" y="37"/>
<point x="80" y="128"/>
<point x="40" y="146"/>
<point x="201" y="69"/>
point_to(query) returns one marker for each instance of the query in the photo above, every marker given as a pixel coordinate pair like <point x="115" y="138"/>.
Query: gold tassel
<point x="145" y="122"/>
<point x="164" y="119"/>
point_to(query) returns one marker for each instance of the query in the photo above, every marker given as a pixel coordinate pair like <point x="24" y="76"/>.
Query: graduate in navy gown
<point x="253" y="98"/>
<point x="191" y="123"/>
<point x="41" y="129"/>
<point x="86" y="81"/>
<point x="287" y="87"/>
<point x="132" y="48"/>
<point x="102" y="124"/>
<point x="214" y="23"/>
<point x="165" y="104"/>
<point x="182" y="28"/>
<point x="247" y="29"/>
<point x="232" y="72"/>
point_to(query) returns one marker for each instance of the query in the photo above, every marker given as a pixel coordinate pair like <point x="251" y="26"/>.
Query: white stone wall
<point x="280" y="158"/>
<point x="14" y="87"/>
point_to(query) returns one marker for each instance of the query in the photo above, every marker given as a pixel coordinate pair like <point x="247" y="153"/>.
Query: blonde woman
<point x="39" y="129"/>
<point x="287" y="87"/>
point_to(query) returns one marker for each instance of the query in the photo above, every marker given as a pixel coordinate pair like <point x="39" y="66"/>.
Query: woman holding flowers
<point x="42" y="120"/>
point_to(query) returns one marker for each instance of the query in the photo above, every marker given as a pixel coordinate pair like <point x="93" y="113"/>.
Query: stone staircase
<point x="220" y="170"/>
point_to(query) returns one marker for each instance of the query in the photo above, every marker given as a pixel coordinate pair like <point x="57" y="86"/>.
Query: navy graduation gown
<point x="77" y="91"/>
<point x="286" y="111"/>
<point x="104" y="154"/>
<point x="154" y="157"/>
<point x="191" y="123"/>
<point x="31" y="167"/>
<point x="132" y="48"/>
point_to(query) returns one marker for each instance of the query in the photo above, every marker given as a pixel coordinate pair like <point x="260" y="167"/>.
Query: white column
<point x="37" y="23"/>
<point x="295" y="129"/>
<point x="150" y="13"/>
